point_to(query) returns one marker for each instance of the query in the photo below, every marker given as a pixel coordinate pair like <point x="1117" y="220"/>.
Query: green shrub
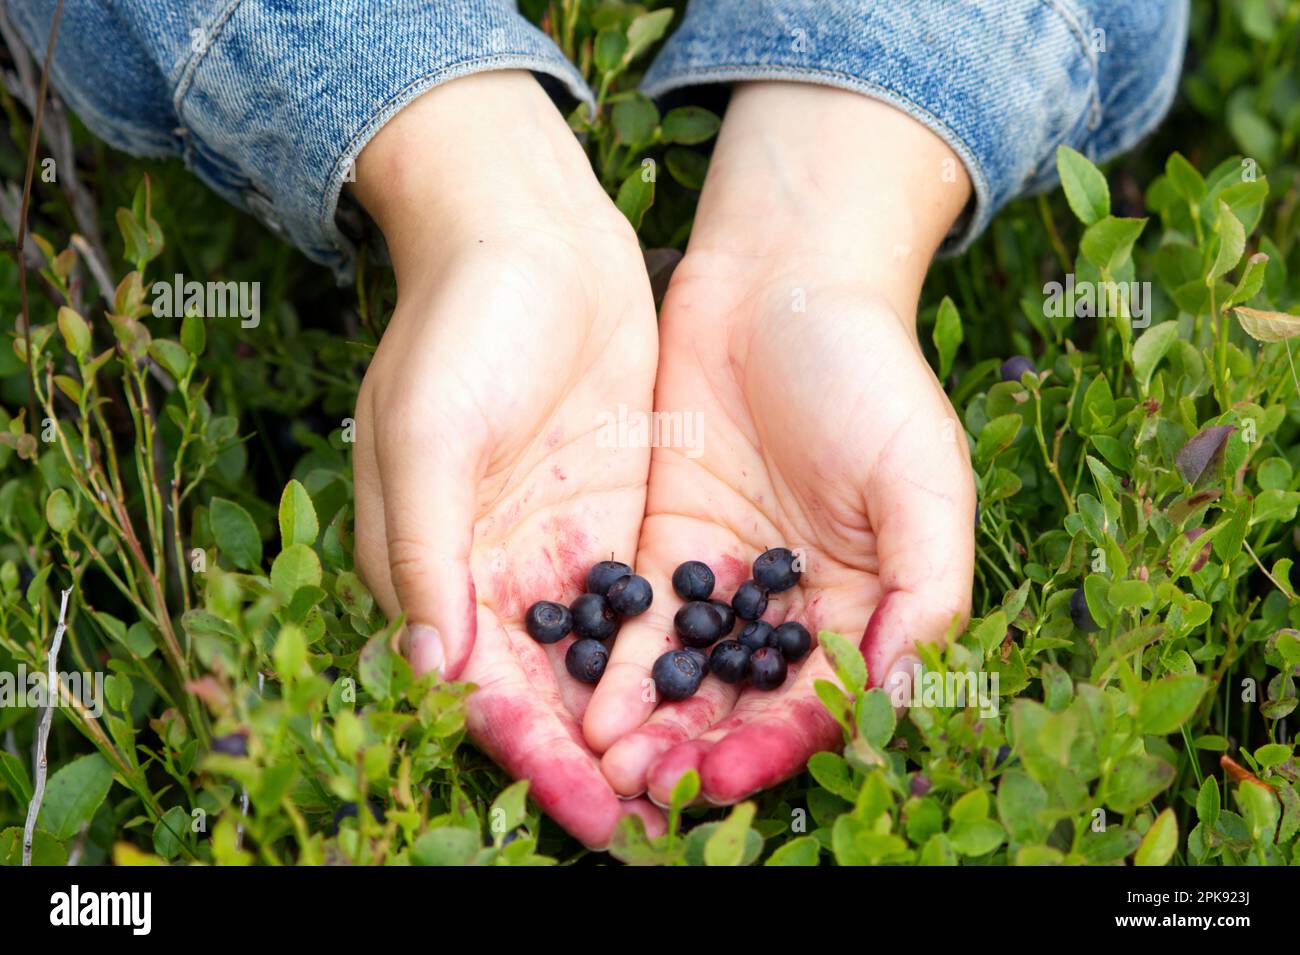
<point x="194" y="493"/>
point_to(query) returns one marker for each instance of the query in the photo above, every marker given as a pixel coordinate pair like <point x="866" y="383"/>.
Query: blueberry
<point x="757" y="634"/>
<point x="1080" y="613"/>
<point x="548" y="622"/>
<point x="677" y="674"/>
<point x="698" y="624"/>
<point x="630" y="595"/>
<point x="766" y="668"/>
<point x="593" y="618"/>
<point x="919" y="785"/>
<point x="729" y="661"/>
<point x="602" y="575"/>
<point x="232" y="744"/>
<point x="726" y="613"/>
<point x="586" y="660"/>
<point x="1001" y="757"/>
<point x="774" y="570"/>
<point x="701" y="658"/>
<point x="750" y="601"/>
<point x="1015" y="366"/>
<point x="693" y="581"/>
<point x="792" y="639"/>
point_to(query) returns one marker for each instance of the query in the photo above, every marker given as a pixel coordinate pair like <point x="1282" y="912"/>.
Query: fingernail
<point x="898" y="682"/>
<point x="424" y="649"/>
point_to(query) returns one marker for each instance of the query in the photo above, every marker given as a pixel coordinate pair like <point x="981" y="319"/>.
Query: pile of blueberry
<point x="760" y="654"/>
<point x="613" y="594"/>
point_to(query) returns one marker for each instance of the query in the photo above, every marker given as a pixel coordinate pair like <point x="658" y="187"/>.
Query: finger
<point x="626" y="763"/>
<point x="923" y="513"/>
<point x="428" y="486"/>
<point x="770" y="738"/>
<point x="625" y="697"/>
<point x="671" y="767"/>
<point x="516" y="717"/>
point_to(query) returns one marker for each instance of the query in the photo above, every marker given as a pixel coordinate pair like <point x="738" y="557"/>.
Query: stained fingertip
<point x="768" y="751"/>
<point x="666" y="772"/>
<point x="656" y="824"/>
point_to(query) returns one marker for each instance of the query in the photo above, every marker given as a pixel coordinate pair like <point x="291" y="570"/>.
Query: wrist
<point x="811" y="177"/>
<point x="481" y="158"/>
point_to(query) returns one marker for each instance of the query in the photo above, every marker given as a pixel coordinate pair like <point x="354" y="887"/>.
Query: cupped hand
<point x="524" y="317"/>
<point x="823" y="430"/>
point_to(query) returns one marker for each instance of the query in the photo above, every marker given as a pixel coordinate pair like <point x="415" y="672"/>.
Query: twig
<point x="43" y="732"/>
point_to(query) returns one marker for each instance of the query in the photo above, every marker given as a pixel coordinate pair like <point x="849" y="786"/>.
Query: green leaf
<point x="290" y="653"/>
<point x="73" y="794"/>
<point x="634" y="121"/>
<point x="645" y="30"/>
<point x="1272" y="754"/>
<point x="509" y="809"/>
<point x="1152" y="346"/>
<point x="804" y="851"/>
<point x="996" y="436"/>
<point x="1207" y="802"/>
<point x="13" y="774"/>
<point x="169" y="832"/>
<point x="1020" y="800"/>
<point x="46" y="850"/>
<point x="947" y="335"/>
<point x="686" y="789"/>
<point x="1187" y="182"/>
<point x="194" y="335"/>
<point x="236" y="534"/>
<point x="173" y="357"/>
<point x="1085" y="187"/>
<point x="846" y="660"/>
<point x="450" y="845"/>
<point x="876" y="718"/>
<point x="636" y="195"/>
<point x="59" y="512"/>
<point x="1232" y="243"/>
<point x="1136" y="780"/>
<point x="971" y="807"/>
<point x="295" y="566"/>
<point x="376" y="666"/>
<point x="687" y="167"/>
<point x="689" y="125"/>
<point x="76" y="333"/>
<point x="611" y="44"/>
<point x="976" y="838"/>
<point x="1108" y="242"/>
<point x="1159" y="843"/>
<point x="726" y="846"/>
<point x="298" y="523"/>
<point x="1168" y="703"/>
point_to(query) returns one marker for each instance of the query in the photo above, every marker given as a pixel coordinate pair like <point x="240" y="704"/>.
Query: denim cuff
<point x="278" y="99"/>
<point x="1002" y="82"/>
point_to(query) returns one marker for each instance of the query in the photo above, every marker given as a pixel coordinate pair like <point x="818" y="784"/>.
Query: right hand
<point x="524" y="315"/>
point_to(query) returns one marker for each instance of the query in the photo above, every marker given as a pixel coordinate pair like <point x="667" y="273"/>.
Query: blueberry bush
<point x="188" y="481"/>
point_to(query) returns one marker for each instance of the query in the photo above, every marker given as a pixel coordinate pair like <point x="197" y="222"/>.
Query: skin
<point x="790" y="327"/>
<point x="523" y="314"/>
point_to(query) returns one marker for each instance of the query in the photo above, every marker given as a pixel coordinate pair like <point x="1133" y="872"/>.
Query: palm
<point x="502" y="382"/>
<point x="824" y="430"/>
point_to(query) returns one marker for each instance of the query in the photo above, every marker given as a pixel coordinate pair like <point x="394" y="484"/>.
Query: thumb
<point x="429" y="511"/>
<point x="927" y="561"/>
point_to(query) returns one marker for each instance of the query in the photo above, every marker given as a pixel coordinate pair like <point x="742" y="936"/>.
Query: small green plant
<point x="188" y="481"/>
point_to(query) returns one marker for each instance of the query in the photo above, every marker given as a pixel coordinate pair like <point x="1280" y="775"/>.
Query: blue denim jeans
<point x="270" y="101"/>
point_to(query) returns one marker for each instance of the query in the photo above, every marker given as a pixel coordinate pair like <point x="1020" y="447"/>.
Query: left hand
<point x="824" y="430"/>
